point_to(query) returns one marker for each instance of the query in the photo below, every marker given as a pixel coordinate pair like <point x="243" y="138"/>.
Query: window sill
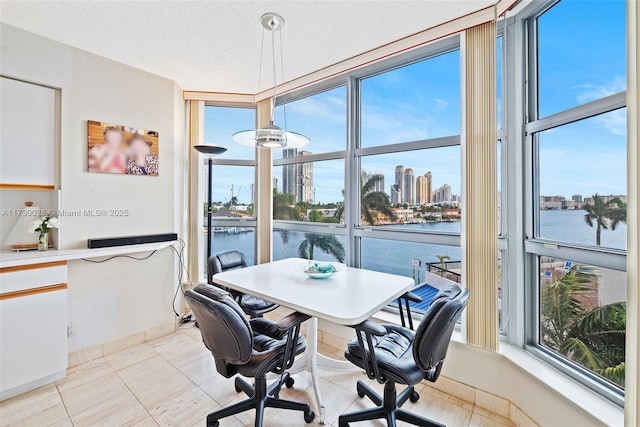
<point x="590" y="402"/>
<point x="587" y="401"/>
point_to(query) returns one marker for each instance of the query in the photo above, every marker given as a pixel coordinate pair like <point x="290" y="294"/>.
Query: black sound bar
<point x="130" y="240"/>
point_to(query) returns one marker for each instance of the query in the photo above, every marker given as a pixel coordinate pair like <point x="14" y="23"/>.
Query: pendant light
<point x="272" y="135"/>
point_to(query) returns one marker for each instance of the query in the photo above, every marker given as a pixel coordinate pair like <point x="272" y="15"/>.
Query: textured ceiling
<point x="215" y="45"/>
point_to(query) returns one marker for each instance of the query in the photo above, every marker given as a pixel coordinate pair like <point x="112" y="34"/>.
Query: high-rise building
<point x="289" y="172"/>
<point x="442" y="194"/>
<point x="399" y="182"/>
<point x="304" y="179"/>
<point x="274" y="183"/>
<point x="422" y="195"/>
<point x="577" y="198"/>
<point x="379" y="184"/>
<point x="396" y="196"/>
<point x="297" y="179"/>
<point x="409" y="187"/>
<point x="429" y="187"/>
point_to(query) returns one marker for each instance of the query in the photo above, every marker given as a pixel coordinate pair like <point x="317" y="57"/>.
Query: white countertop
<point x="12" y="258"/>
<point x="348" y="298"/>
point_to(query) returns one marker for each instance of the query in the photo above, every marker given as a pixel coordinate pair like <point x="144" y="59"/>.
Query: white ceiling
<point x="215" y="45"/>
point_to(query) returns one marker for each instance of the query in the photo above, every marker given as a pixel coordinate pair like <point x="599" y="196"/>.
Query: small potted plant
<point x="44" y="225"/>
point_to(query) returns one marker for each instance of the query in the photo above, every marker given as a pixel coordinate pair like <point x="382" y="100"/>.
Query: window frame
<point x="222" y="161"/>
<point x="534" y="246"/>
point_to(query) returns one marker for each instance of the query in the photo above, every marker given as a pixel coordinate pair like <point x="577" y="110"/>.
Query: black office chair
<point x="392" y="354"/>
<point x="233" y="260"/>
<point x="250" y="348"/>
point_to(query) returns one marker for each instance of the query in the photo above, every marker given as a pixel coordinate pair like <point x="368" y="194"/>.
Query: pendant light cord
<point x="273" y="54"/>
<point x="284" y="106"/>
<point x="261" y="59"/>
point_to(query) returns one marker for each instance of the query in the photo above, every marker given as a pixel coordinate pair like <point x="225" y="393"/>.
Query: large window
<point x="233" y="178"/>
<point x="384" y="192"/>
<point x="408" y="182"/>
<point x="576" y="179"/>
<point x="309" y="183"/>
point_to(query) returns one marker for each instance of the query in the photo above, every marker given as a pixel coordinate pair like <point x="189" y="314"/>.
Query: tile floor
<point x="172" y="381"/>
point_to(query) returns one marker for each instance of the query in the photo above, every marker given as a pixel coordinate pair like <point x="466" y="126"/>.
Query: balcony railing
<point x="449" y="270"/>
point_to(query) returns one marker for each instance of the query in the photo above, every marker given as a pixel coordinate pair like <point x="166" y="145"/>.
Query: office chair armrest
<point x="409" y="296"/>
<point x="371" y="327"/>
<point x="412" y="297"/>
<point x="291" y="325"/>
<point x="293" y="319"/>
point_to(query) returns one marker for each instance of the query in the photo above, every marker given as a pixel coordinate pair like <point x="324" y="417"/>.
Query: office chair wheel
<point x="414" y="397"/>
<point x="309" y="416"/>
<point x="238" y="390"/>
<point x="290" y="382"/>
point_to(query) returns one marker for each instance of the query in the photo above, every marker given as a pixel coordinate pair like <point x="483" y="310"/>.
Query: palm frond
<point x="284" y="235"/>
<point x="303" y="249"/>
<point x="578" y="351"/>
<point x="614" y="373"/>
<point x="327" y="243"/>
<point x="370" y="184"/>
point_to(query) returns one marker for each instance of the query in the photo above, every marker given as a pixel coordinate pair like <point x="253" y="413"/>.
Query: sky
<point x="581" y="58"/>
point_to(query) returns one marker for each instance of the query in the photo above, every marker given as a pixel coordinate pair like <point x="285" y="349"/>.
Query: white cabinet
<point x="28" y="126"/>
<point x="33" y="326"/>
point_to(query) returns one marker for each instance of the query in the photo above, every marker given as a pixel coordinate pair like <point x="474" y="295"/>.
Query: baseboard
<point x="95" y="352"/>
<point x="23" y="388"/>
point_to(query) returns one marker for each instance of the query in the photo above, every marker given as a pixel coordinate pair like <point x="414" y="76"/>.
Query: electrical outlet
<point x="71" y="332"/>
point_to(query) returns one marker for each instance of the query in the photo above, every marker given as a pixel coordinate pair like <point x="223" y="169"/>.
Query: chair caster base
<point x="309" y="416"/>
<point x="389" y="407"/>
<point x="290" y="382"/>
<point x="213" y="423"/>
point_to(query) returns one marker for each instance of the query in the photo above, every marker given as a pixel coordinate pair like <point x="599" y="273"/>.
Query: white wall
<point x="121" y="297"/>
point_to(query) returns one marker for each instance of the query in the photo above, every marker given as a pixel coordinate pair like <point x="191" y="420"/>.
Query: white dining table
<point x="348" y="298"/>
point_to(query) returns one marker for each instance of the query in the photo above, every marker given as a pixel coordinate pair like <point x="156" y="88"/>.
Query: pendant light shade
<point x="271" y="135"/>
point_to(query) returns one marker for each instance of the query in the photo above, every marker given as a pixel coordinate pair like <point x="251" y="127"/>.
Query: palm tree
<point x="598" y="341"/>
<point x="284" y="206"/>
<point x="592" y="337"/>
<point x="618" y="215"/>
<point x="601" y="213"/>
<point x="562" y="305"/>
<point x="442" y="259"/>
<point x="327" y="243"/>
<point x="371" y="201"/>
